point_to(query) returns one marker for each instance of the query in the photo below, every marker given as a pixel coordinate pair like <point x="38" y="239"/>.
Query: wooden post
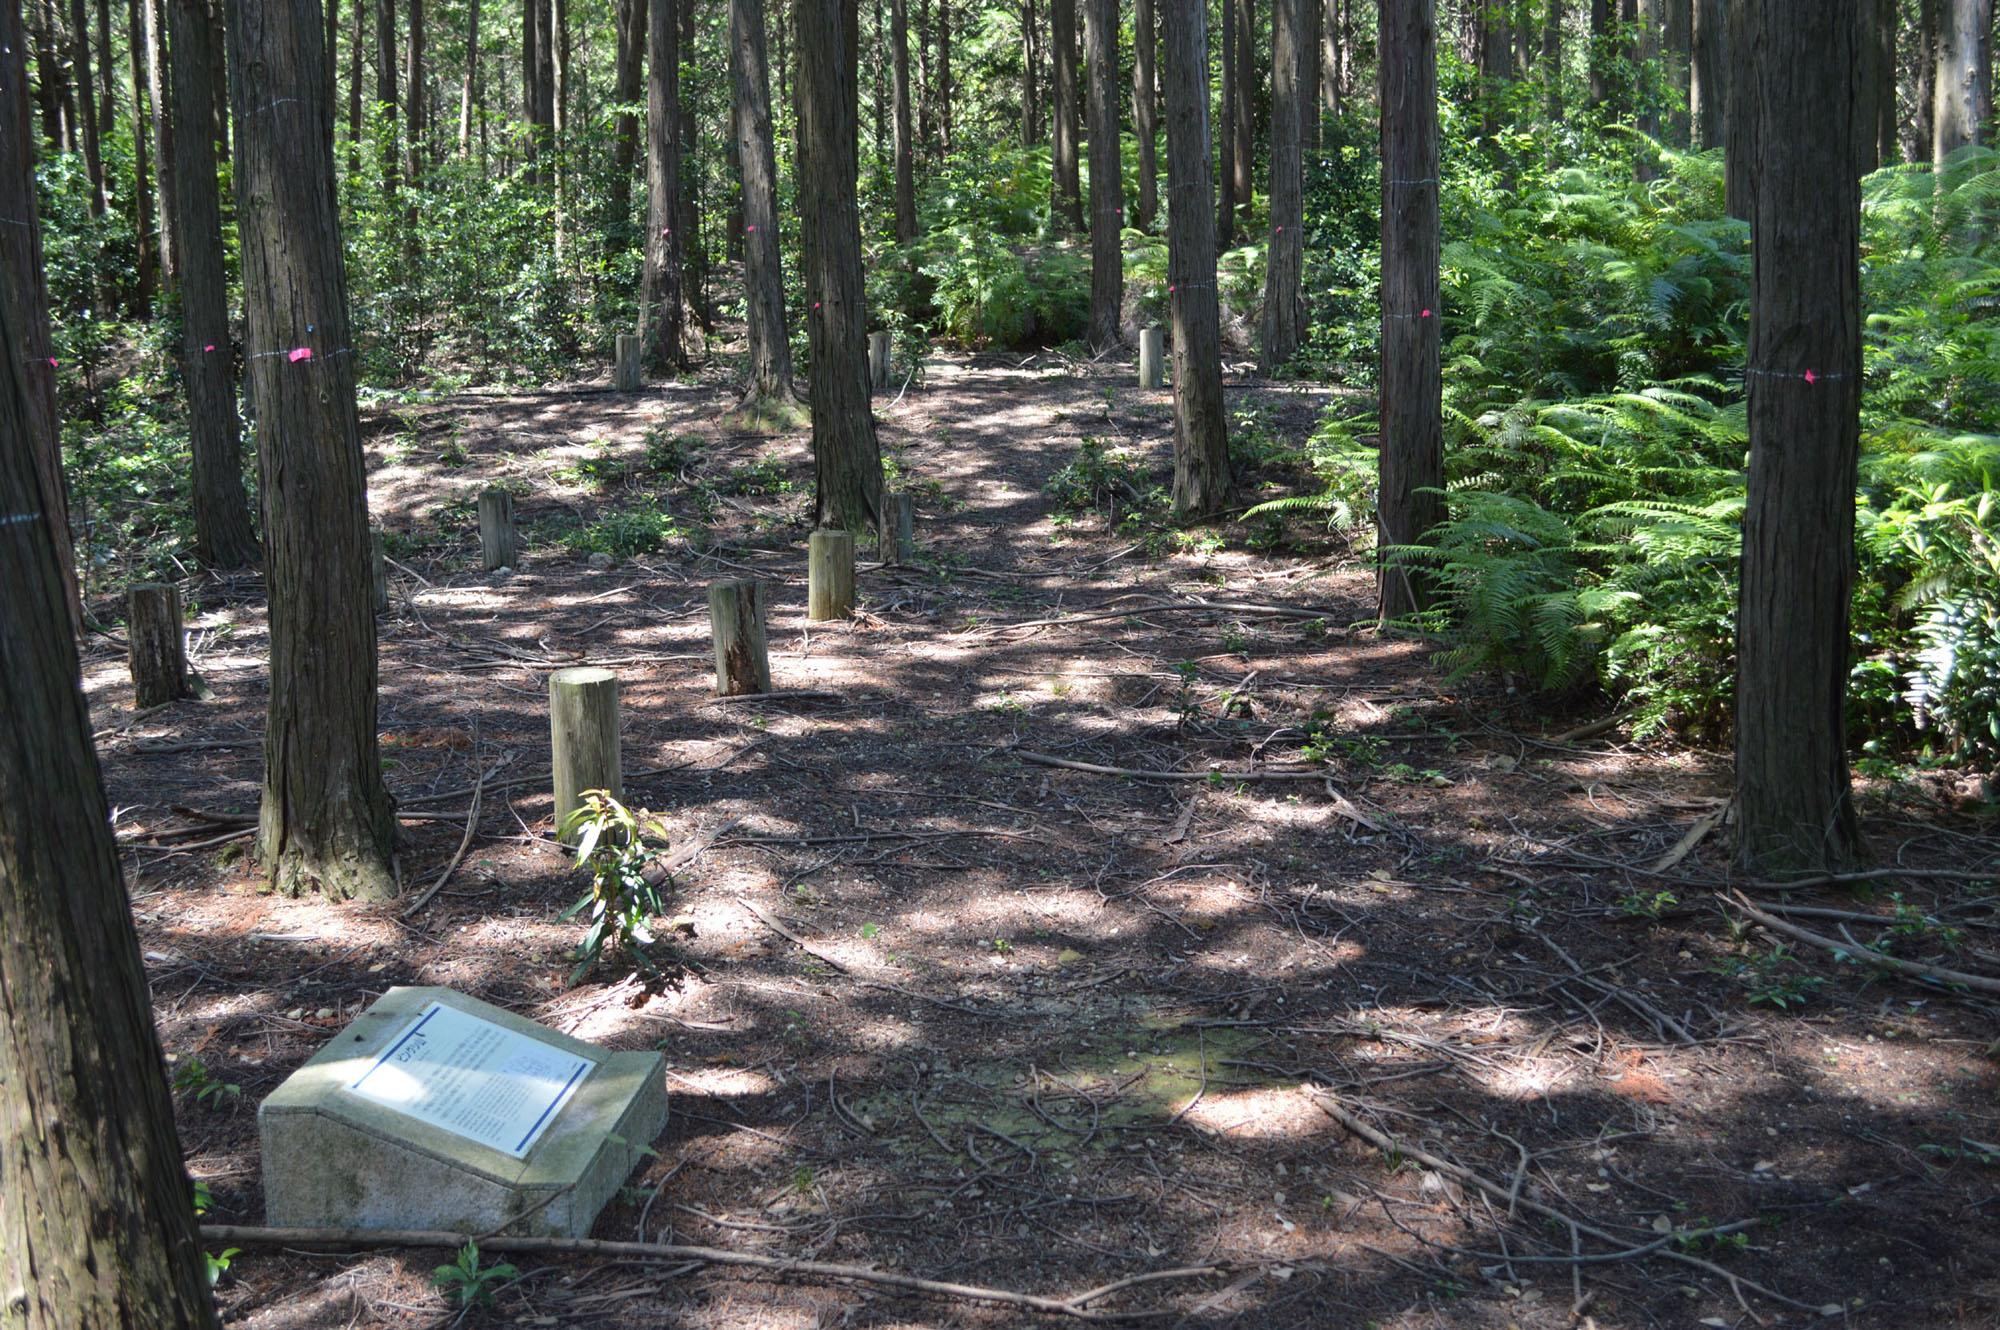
<point x="628" y="372"/>
<point x="878" y="360"/>
<point x="736" y="621"/>
<point x="899" y="528"/>
<point x="583" y="735"/>
<point x="1152" y="356"/>
<point x="378" y="560"/>
<point x="830" y="574"/>
<point x="153" y="644"/>
<point x="496" y="528"/>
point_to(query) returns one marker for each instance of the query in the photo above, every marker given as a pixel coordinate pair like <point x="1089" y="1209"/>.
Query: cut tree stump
<point x="628" y="371"/>
<point x="736" y="621"/>
<point x="899" y="528"/>
<point x="830" y="575"/>
<point x="496" y="529"/>
<point x="1152" y="357"/>
<point x="378" y="563"/>
<point x="154" y="644"/>
<point x="583" y="733"/>
<point x="878" y="360"/>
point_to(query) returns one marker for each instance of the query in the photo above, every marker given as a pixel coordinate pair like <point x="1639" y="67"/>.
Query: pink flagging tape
<point x="302" y="353"/>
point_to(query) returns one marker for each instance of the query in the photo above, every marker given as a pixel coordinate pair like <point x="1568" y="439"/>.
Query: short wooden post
<point x="899" y="528"/>
<point x="583" y="735"/>
<point x="628" y="373"/>
<point x="830" y="574"/>
<point x="878" y="360"/>
<point x="736" y="622"/>
<point x="1152" y="348"/>
<point x="378" y="562"/>
<point x="496" y="528"/>
<point x="154" y="648"/>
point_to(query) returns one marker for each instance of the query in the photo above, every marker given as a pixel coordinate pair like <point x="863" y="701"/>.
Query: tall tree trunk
<point x="332" y="52"/>
<point x="1333" y="53"/>
<point x="159" y="92"/>
<point x="355" y="62"/>
<point x="847" y="460"/>
<point x="1888" y="144"/>
<point x="105" y="101"/>
<point x="621" y="182"/>
<point x="1243" y="13"/>
<point x="97" y="1229"/>
<point x="1107" y="193"/>
<point x="1676" y="50"/>
<point x="1601" y="19"/>
<point x="763" y="271"/>
<point x="1649" y="15"/>
<point x="694" y="250"/>
<point x="660" y="303"/>
<point x="1311" y="14"/>
<point x="326" y="821"/>
<point x="1707" y="73"/>
<point x="1552" y="48"/>
<point x="223" y="535"/>
<point x="24" y="301"/>
<point x="1225" y="151"/>
<point x="626" y="91"/>
<point x="1068" y="205"/>
<point x="944" y="76"/>
<point x="1031" y="76"/>
<point x="1964" y="93"/>
<point x="415" y="123"/>
<point x="1146" y="109"/>
<point x="86" y="94"/>
<point x="144" y="218"/>
<point x="1284" y="313"/>
<point x="1794" y="806"/>
<point x="906" y="184"/>
<point x="49" y="71"/>
<point x="1739" y="148"/>
<point x="879" y="86"/>
<point x="385" y="92"/>
<point x="1923" y="102"/>
<point x="926" y="81"/>
<point x="1412" y="437"/>
<point x="1201" y="428"/>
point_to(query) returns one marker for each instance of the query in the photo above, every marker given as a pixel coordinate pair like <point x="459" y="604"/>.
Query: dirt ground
<point x="1054" y="1028"/>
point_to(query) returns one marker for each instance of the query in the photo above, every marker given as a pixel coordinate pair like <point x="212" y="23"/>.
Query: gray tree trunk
<point x="326" y="820"/>
<point x="906" y="182"/>
<point x="143" y="216"/>
<point x="1708" y="73"/>
<point x="1146" y="110"/>
<point x="86" y="92"/>
<point x="661" y="312"/>
<point x="1794" y="806"/>
<point x="1243" y="118"/>
<point x="159" y="93"/>
<point x="1107" y="193"/>
<point x="763" y="273"/>
<point x="1964" y="76"/>
<point x="1068" y="205"/>
<point x="1201" y="429"/>
<point x="1284" y="314"/>
<point x="1412" y="438"/>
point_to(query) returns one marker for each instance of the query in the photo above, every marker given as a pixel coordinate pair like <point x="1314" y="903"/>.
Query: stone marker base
<point x="335" y="1159"/>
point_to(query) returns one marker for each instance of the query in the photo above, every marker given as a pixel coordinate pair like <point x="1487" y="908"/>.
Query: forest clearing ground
<point x="1055" y="1027"/>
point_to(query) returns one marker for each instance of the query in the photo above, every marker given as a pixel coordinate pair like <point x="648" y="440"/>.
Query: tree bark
<point x="468" y="98"/>
<point x="24" y="298"/>
<point x="1068" y="204"/>
<point x="49" y="72"/>
<point x="1311" y="15"/>
<point x="1707" y="76"/>
<point x="694" y="251"/>
<point x="355" y="62"/>
<point x="906" y="186"/>
<point x="1243" y="14"/>
<point x="96" y="1229"/>
<point x="86" y="94"/>
<point x="847" y="460"/>
<point x="1284" y="313"/>
<point x="1031" y="69"/>
<point x="1146" y="110"/>
<point x="1923" y="110"/>
<point x="1412" y="438"/>
<point x="223" y="534"/>
<point x="158" y="92"/>
<point x="763" y="271"/>
<point x="415" y="121"/>
<point x="1225" y="151"/>
<point x="1964" y="95"/>
<point x="1739" y="149"/>
<point x="1107" y="192"/>
<point x="1600" y="51"/>
<point x="1552" y="48"/>
<point x="326" y="820"/>
<point x="385" y="94"/>
<point x="1794" y="805"/>
<point x="144" y="219"/>
<point x="661" y="315"/>
<point x="1201" y="428"/>
<point x="1676" y="52"/>
<point x="629" y="66"/>
<point x="944" y="77"/>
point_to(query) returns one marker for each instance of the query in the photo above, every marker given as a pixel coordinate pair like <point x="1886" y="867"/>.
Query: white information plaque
<point x="473" y="1078"/>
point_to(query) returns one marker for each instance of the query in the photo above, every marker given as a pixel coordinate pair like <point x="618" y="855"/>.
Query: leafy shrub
<point x="624" y="532"/>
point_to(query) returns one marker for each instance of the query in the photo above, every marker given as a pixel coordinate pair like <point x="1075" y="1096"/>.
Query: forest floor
<point x="1052" y="1028"/>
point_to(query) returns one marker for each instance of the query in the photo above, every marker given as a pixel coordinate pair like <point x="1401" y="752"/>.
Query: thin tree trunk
<point x="1201" y="429"/>
<point x="49" y="71"/>
<point x="694" y="250"/>
<point x="105" y="101"/>
<point x="1311" y="14"/>
<point x="906" y="185"/>
<point x="1107" y="193"/>
<point x="1794" y="805"/>
<point x="660" y="302"/>
<point x="1600" y="51"/>
<point x="144" y="219"/>
<point x="1284" y="314"/>
<point x="879" y="88"/>
<point x="1739" y="149"/>
<point x="622" y="181"/>
<point x="326" y="821"/>
<point x="223" y="535"/>
<point x="1225" y="152"/>
<point x="97" y="1229"/>
<point x="24" y="301"/>
<point x="1964" y="93"/>
<point x="1333" y="52"/>
<point x="1676" y="46"/>
<point x="1923" y="109"/>
<point x="86" y="94"/>
<point x="1552" y="48"/>
<point x="333" y="52"/>
<point x="1888" y="145"/>
<point x="1243" y="122"/>
<point x="385" y="92"/>
<point x="1146" y="109"/>
<point x="159" y="91"/>
<point x="1031" y="80"/>
<point x="356" y="62"/>
<point x="415" y="124"/>
<point x="847" y="460"/>
<point x="1068" y="206"/>
<point x="1412" y="437"/>
<point x="630" y="66"/>
<point x="926" y="81"/>
<point x="1707" y="73"/>
<point x="944" y="76"/>
<point x="763" y="271"/>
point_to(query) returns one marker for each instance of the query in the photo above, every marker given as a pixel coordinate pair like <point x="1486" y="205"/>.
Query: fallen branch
<point x="464" y="844"/>
<point x="1076" y="1306"/>
<point x="770" y="921"/>
<point x="1936" y="974"/>
<point x="786" y="695"/>
<point x="1043" y="759"/>
<point x="1388" y="1144"/>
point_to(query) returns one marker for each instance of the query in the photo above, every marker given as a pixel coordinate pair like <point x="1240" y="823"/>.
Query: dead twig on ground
<point x="464" y="842"/>
<point x="1137" y="773"/>
<point x="1936" y="974"/>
